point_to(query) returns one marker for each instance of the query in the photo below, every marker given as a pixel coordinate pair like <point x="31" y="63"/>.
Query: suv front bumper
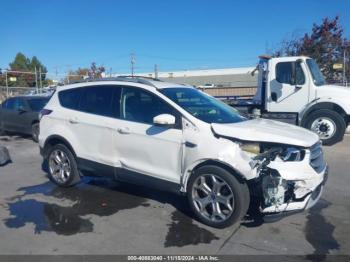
<point x="304" y="202"/>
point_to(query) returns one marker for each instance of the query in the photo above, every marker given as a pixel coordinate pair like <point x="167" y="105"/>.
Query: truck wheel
<point x="329" y="125"/>
<point x="62" y="166"/>
<point x="216" y="197"/>
<point x="35" y="132"/>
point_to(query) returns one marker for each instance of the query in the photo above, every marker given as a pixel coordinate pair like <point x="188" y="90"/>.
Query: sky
<point x="175" y="35"/>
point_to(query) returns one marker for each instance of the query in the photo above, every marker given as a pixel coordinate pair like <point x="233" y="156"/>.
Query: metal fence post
<point x="7" y="86"/>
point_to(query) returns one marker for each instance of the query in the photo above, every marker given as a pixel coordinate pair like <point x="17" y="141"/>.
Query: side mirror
<point x="274" y="97"/>
<point x="164" y="120"/>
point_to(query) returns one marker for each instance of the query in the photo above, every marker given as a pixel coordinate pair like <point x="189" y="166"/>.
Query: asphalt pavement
<point x="104" y="217"/>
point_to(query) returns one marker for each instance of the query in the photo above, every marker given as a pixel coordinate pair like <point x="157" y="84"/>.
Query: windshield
<point x="37" y="104"/>
<point x="203" y="106"/>
<point x="316" y="73"/>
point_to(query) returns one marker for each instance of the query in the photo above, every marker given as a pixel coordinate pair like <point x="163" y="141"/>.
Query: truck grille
<point x="316" y="158"/>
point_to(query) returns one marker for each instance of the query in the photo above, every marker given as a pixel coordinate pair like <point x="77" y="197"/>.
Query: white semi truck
<point x="293" y="90"/>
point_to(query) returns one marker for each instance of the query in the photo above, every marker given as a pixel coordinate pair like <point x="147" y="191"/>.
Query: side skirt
<point x="92" y="168"/>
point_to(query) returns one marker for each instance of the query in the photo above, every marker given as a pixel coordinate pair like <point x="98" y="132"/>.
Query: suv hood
<point x="264" y="130"/>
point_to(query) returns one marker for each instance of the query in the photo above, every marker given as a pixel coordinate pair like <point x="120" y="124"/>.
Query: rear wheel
<point x="62" y="166"/>
<point x="35" y="132"/>
<point x="216" y="197"/>
<point x="329" y="125"/>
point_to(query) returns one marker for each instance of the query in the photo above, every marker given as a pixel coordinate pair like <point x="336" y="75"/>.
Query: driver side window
<point x="285" y="74"/>
<point x="141" y="106"/>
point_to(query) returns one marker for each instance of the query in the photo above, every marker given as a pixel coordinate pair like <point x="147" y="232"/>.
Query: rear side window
<point x="97" y="100"/>
<point x="37" y="104"/>
<point x="70" y="98"/>
<point x="284" y="73"/>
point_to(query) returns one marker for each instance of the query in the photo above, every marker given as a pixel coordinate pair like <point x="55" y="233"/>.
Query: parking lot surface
<point x="104" y="217"/>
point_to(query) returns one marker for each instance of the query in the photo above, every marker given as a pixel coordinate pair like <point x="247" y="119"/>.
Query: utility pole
<point x="41" y="83"/>
<point x="7" y="84"/>
<point x="36" y="80"/>
<point x="344" y="64"/>
<point x="156" y="71"/>
<point x="132" y="62"/>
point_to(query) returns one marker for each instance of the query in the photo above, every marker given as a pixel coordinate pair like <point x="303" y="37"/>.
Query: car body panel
<point x="171" y="154"/>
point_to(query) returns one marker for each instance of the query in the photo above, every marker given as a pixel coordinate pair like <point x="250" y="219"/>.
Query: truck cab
<point x="293" y="90"/>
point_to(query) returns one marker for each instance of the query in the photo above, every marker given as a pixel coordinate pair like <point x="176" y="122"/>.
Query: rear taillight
<point x="44" y="112"/>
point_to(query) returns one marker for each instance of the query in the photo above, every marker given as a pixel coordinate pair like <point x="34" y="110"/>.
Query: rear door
<point x="90" y="124"/>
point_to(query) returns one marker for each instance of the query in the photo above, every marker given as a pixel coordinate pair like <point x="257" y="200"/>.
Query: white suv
<point x="175" y="137"/>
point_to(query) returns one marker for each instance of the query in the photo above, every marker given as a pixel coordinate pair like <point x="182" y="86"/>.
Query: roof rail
<point x="134" y="79"/>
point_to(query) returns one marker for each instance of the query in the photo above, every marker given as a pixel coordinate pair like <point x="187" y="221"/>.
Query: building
<point x="227" y="77"/>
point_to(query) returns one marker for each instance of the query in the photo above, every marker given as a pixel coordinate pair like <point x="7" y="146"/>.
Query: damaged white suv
<point x="175" y="137"/>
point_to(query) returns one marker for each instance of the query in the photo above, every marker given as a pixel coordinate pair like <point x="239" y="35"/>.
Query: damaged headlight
<point x="253" y="148"/>
<point x="287" y="154"/>
<point x="292" y="154"/>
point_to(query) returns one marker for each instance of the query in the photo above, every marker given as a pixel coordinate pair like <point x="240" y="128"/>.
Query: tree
<point x="96" y="71"/>
<point x="77" y="75"/>
<point x="82" y="73"/>
<point x="325" y="44"/>
<point x="23" y="64"/>
<point x="36" y="64"/>
<point x="20" y="63"/>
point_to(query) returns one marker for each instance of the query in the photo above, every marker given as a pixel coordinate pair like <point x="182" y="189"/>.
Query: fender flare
<point x="56" y="138"/>
<point x="189" y="171"/>
<point x="317" y="105"/>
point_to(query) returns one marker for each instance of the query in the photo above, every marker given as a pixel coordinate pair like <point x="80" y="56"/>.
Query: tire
<point x="239" y="203"/>
<point x="35" y="132"/>
<point x="322" y="121"/>
<point x="68" y="174"/>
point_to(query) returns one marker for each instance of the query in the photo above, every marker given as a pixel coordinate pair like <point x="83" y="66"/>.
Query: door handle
<point x="73" y="121"/>
<point x="123" y="130"/>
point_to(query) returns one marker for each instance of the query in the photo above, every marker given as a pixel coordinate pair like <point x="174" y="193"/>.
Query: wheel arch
<point x="210" y="162"/>
<point x="323" y="105"/>
<point x="54" y="140"/>
<point x="35" y="121"/>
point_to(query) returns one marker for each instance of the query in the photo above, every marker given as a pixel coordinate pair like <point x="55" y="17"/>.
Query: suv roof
<point x="152" y="82"/>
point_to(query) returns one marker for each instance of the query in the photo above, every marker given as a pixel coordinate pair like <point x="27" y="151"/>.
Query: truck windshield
<point x="316" y="73"/>
<point x="203" y="106"/>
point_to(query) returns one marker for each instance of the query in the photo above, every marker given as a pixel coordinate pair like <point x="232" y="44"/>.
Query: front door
<point x="140" y="145"/>
<point x="289" y="90"/>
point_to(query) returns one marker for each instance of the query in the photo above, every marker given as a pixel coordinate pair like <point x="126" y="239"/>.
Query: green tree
<point x="36" y="64"/>
<point x="21" y="63"/>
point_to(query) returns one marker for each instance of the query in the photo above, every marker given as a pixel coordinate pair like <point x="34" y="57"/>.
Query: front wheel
<point x="329" y="125"/>
<point x="216" y="197"/>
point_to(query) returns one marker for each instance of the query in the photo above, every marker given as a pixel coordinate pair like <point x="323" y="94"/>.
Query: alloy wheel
<point x="59" y="165"/>
<point x="213" y="197"/>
